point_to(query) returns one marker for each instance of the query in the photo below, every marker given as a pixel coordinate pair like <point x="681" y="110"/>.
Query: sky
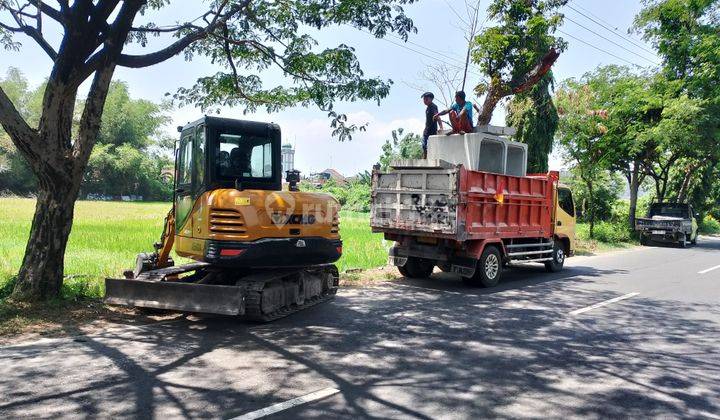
<point x="595" y="30"/>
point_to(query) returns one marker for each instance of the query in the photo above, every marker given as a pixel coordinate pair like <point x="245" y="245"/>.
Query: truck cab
<point x="564" y="219"/>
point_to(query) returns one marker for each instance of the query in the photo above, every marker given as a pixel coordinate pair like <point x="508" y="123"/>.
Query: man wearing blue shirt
<point x="460" y="114"/>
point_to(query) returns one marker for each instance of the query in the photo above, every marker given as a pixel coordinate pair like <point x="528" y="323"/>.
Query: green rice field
<point x="106" y="237"/>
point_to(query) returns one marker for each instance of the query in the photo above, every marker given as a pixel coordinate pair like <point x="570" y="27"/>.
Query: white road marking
<point x="603" y="303"/>
<point x="276" y="408"/>
<point x="707" y="270"/>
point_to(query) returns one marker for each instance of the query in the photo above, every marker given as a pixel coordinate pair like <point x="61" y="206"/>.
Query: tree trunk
<point x="59" y="178"/>
<point x="591" y="208"/>
<point x="682" y="194"/>
<point x="42" y="270"/>
<point x="494" y="94"/>
<point x="634" y="187"/>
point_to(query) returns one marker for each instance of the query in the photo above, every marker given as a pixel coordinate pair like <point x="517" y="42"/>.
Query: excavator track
<point x="261" y="296"/>
<point x="254" y="298"/>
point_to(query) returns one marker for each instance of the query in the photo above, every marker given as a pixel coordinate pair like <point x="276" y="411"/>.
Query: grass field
<point x="106" y="237"/>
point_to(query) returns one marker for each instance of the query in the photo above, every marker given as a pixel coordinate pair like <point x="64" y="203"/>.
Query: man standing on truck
<point x="431" y="123"/>
<point x="460" y="114"/>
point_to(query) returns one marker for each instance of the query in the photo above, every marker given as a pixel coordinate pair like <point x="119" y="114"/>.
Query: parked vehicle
<point x="260" y="252"/>
<point x="469" y="221"/>
<point x="670" y="223"/>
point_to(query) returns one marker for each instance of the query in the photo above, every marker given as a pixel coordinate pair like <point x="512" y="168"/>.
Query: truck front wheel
<point x="418" y="268"/>
<point x="558" y="258"/>
<point x="488" y="270"/>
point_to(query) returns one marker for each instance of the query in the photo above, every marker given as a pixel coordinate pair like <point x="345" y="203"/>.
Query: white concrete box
<point x="480" y="152"/>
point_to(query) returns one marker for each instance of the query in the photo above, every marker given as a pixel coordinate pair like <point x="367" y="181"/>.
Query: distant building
<point x="288" y="158"/>
<point x="320" y="178"/>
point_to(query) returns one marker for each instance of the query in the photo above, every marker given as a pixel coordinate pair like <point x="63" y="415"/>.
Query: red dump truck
<point x="471" y="222"/>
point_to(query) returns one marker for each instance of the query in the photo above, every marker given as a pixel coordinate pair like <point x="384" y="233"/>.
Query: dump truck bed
<point x="460" y="204"/>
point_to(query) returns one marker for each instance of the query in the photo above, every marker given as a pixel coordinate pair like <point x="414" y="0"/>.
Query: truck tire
<point x="418" y="268"/>
<point x="558" y="260"/>
<point x="488" y="270"/>
<point x="683" y="242"/>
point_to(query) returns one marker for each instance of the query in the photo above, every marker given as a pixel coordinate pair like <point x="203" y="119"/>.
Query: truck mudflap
<point x="176" y="296"/>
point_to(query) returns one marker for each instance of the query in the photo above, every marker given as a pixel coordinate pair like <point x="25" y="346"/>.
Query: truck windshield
<point x="669" y="210"/>
<point x="240" y="156"/>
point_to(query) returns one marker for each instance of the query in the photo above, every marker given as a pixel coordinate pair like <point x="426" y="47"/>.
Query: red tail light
<point x="339" y="250"/>
<point x="231" y="252"/>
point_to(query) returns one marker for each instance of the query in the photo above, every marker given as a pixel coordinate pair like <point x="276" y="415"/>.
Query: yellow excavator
<point x="259" y="251"/>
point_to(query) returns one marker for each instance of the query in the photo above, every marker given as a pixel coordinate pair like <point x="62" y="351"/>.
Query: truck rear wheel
<point x="558" y="258"/>
<point x="418" y="268"/>
<point x="488" y="270"/>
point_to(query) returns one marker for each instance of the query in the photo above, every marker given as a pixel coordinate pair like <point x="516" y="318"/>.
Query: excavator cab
<point x="258" y="251"/>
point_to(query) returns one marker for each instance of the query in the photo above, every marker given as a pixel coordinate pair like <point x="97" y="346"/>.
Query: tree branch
<point x="25" y="138"/>
<point x="51" y="12"/>
<point x="35" y="34"/>
<point x="91" y="116"/>
<point x="538" y="72"/>
<point x="146" y="60"/>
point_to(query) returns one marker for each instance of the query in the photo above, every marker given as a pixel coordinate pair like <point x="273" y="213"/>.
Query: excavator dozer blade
<point x="176" y="296"/>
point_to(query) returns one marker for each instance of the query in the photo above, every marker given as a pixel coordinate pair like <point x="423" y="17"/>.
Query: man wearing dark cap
<point x="431" y="125"/>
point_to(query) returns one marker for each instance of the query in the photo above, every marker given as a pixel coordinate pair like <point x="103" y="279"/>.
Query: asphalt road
<point x="535" y="346"/>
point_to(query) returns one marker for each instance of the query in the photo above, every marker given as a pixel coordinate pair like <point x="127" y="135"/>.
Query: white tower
<point x="288" y="158"/>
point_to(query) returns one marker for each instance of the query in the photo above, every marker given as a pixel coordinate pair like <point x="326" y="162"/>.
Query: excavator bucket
<point x="175" y="296"/>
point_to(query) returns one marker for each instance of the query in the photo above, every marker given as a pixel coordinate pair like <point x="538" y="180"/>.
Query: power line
<point x="611" y="41"/>
<point x="605" y="21"/>
<point x="454" y="58"/>
<point x="456" y="65"/>
<point x="597" y="48"/>
<point x="611" y="30"/>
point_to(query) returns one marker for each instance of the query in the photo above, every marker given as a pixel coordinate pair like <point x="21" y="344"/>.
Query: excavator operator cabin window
<point x="199" y="156"/>
<point x="185" y="166"/>
<point x="240" y="156"/>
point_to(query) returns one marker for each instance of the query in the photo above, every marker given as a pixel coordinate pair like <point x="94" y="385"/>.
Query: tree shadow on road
<point x="433" y="349"/>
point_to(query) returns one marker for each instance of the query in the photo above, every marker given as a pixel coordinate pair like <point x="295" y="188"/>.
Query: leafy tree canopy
<point x="517" y="52"/>
<point x="400" y="145"/>
<point x="685" y="33"/>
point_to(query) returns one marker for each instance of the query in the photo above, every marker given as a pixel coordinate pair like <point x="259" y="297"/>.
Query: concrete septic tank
<point x="493" y="152"/>
<point x="480" y="152"/>
<point x="454" y="149"/>
<point x="516" y="161"/>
